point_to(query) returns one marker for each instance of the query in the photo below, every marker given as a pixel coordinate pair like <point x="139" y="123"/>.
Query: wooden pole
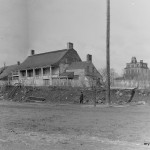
<point x="108" y="53"/>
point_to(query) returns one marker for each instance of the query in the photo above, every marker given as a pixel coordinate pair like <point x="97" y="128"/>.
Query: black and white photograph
<point x="74" y="74"/>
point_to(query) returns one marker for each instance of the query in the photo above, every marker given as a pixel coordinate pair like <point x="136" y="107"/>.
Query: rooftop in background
<point x="135" y="64"/>
<point x="6" y="71"/>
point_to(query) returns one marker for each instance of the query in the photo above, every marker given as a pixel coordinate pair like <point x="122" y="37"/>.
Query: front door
<point x="46" y="82"/>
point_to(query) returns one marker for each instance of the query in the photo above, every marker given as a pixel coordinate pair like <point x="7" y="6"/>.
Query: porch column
<point x="26" y="73"/>
<point x="50" y="75"/>
<point x="9" y="80"/>
<point x="42" y="81"/>
<point x="42" y="72"/>
<point x="34" y="73"/>
<point x="33" y="77"/>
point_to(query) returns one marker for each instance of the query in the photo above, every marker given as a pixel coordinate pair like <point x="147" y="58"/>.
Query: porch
<point x="38" y="76"/>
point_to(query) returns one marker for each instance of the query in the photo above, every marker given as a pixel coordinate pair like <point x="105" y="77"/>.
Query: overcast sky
<point x="47" y="25"/>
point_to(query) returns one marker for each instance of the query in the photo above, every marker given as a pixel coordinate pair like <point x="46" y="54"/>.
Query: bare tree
<point x="113" y="75"/>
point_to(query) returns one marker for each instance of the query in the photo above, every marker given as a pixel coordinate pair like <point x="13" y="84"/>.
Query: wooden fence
<point x="55" y="82"/>
<point x="143" y="84"/>
<point x="67" y="82"/>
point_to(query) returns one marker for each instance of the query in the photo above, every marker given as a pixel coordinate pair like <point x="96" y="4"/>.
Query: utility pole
<point x="108" y="53"/>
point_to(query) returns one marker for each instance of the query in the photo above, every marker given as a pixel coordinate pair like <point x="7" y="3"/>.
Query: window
<point x="37" y="72"/>
<point x="15" y="78"/>
<point x="23" y="73"/>
<point x="76" y="77"/>
<point x="30" y="73"/>
<point x="15" y="73"/>
<point x="46" y="71"/>
<point x="46" y="82"/>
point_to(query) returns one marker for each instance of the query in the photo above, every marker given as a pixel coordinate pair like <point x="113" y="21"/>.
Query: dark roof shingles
<point x="43" y="59"/>
<point x="79" y="65"/>
<point x="7" y="71"/>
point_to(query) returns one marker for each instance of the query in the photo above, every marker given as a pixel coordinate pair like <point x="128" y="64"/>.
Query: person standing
<point x="132" y="95"/>
<point x="81" y="98"/>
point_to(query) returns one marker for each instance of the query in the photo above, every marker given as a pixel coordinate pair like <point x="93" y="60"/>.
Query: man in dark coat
<point x="81" y="98"/>
<point x="132" y="95"/>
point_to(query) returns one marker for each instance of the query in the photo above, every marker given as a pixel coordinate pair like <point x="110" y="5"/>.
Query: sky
<point x="47" y="25"/>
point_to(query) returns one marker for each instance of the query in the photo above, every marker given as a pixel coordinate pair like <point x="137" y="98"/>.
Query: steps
<point x="12" y="93"/>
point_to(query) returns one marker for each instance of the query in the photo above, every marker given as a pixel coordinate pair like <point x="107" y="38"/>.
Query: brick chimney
<point x="32" y="52"/>
<point x="69" y="45"/>
<point x="18" y="63"/>
<point x="89" y="58"/>
<point x="141" y="61"/>
<point x="133" y="60"/>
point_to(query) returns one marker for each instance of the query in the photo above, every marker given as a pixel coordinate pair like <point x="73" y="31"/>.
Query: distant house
<point x="136" y="70"/>
<point x="9" y="74"/>
<point x="136" y="74"/>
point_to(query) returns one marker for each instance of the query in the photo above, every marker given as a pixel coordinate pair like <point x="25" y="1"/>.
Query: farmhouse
<point x="56" y="68"/>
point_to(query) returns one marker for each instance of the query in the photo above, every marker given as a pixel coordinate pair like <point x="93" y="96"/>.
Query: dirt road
<point x="32" y="126"/>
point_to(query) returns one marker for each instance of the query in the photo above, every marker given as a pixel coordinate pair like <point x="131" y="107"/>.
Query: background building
<point x="136" y="70"/>
<point x="136" y="74"/>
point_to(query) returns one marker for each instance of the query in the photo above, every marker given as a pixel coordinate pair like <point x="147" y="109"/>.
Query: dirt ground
<point x="45" y="126"/>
